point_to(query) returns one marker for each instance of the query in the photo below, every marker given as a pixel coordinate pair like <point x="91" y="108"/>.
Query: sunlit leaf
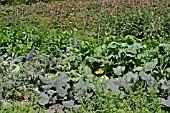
<point x="99" y="71"/>
<point x="168" y="70"/>
<point x="105" y="77"/>
<point x="16" y="69"/>
<point x="112" y="45"/>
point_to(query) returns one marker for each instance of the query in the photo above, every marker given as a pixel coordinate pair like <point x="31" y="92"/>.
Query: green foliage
<point x="129" y="72"/>
<point x="118" y="56"/>
<point x="78" y="62"/>
<point x="14" y="2"/>
<point x="20" y="108"/>
<point x="106" y="101"/>
<point x="55" y="91"/>
<point x="142" y="24"/>
<point x="19" y="39"/>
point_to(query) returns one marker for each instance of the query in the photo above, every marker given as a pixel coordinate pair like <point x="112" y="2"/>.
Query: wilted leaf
<point x="132" y="50"/>
<point x="122" y="94"/>
<point x="139" y="56"/>
<point x="64" y="77"/>
<point x="164" y="86"/>
<point x="109" y="57"/>
<point x="22" y="58"/>
<point x="126" y="84"/>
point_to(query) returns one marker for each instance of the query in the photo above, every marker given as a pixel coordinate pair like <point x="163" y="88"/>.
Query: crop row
<point x="106" y="72"/>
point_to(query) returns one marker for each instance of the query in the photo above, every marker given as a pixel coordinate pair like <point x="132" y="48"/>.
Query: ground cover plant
<point x="120" y="65"/>
<point x="14" y="2"/>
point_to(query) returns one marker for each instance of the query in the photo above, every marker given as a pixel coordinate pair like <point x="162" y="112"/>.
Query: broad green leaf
<point x="137" y="68"/>
<point x="98" y="51"/>
<point x="61" y="84"/>
<point x="16" y="69"/>
<point x="63" y="77"/>
<point x="139" y="56"/>
<point x="68" y="59"/>
<point x="131" y="76"/>
<point x="36" y="91"/>
<point x="150" y="65"/>
<point x="68" y="104"/>
<point x="166" y="46"/>
<point x="61" y="91"/>
<point x="45" y="80"/>
<point x="119" y="70"/>
<point x="144" y="76"/>
<point x="51" y="92"/>
<point x="92" y="59"/>
<point x="130" y="38"/>
<point x="132" y="50"/>
<point x="87" y="71"/>
<point x="124" y="45"/>
<point x="50" y="111"/>
<point x="112" y="45"/>
<point x="166" y="102"/>
<point x="43" y="99"/>
<point x="168" y="70"/>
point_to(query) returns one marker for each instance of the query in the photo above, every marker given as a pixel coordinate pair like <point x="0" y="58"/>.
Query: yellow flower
<point x="99" y="71"/>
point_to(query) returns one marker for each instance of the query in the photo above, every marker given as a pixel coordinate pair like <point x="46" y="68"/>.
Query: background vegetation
<point x="85" y="56"/>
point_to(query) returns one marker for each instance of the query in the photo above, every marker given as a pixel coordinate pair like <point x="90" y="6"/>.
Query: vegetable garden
<point x="85" y="56"/>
